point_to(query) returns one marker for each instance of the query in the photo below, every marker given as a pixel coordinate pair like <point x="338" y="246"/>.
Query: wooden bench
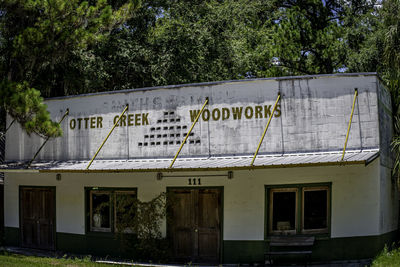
<point x="290" y="245"/>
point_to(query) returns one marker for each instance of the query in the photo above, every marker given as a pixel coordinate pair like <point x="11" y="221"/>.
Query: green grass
<point x="15" y="260"/>
<point x="387" y="258"/>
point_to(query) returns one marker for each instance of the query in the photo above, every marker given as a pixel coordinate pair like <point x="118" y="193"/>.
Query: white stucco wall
<point x="313" y="116"/>
<point x="389" y="201"/>
<point x="356" y="195"/>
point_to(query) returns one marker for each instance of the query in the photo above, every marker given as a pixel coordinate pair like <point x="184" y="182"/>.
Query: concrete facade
<point x="355" y="199"/>
<point x="312" y="116"/>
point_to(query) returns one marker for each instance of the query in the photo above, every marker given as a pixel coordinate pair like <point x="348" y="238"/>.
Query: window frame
<point x="319" y="230"/>
<point x="89" y="191"/>
<point x="93" y="228"/>
<point x="299" y="227"/>
<point x="271" y="210"/>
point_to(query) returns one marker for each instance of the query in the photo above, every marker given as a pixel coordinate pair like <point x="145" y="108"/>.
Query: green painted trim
<point x="349" y="248"/>
<point x="299" y="206"/>
<point x="11" y="236"/>
<point x="99" y="245"/>
<point x="324" y="249"/>
<point x="299" y="185"/>
<point x="73" y="243"/>
<point x="244" y="252"/>
<point x="94" y="188"/>
<point x="235" y="251"/>
<point x="86" y="201"/>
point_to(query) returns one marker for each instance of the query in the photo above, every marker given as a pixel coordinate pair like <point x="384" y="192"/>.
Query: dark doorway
<point x="37" y="217"/>
<point x="194" y="224"/>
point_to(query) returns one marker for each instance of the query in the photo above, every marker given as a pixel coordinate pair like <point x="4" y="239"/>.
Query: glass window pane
<point x="284" y="211"/>
<point x="101" y="210"/>
<point x="125" y="209"/>
<point x="315" y="209"/>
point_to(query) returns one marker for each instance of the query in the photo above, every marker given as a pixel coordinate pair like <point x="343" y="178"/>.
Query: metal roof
<point x="199" y="163"/>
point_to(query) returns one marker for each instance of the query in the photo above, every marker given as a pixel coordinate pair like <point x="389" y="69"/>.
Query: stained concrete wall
<point x="389" y="197"/>
<point x="313" y="116"/>
<point x="389" y="201"/>
<point x="386" y="130"/>
<point x="357" y="208"/>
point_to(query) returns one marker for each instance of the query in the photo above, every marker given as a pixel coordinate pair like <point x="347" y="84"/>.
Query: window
<point x="315" y="209"/>
<point x="302" y="209"/>
<point x="124" y="211"/>
<point x="100" y="211"/>
<point x="111" y="210"/>
<point x="284" y="211"/>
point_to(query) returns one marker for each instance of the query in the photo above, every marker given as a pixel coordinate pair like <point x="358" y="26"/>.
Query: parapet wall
<point x="312" y="115"/>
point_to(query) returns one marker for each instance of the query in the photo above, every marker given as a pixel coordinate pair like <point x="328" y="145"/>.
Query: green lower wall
<point x="243" y="251"/>
<point x="95" y="244"/>
<point x="11" y="236"/>
<point x="328" y="249"/>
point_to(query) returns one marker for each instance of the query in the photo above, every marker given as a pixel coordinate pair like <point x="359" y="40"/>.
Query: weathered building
<point x="302" y="181"/>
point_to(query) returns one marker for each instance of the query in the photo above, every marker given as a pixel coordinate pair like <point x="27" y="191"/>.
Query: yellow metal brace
<point x="9" y="126"/>
<point x="351" y="118"/>
<point x="105" y="140"/>
<point x="47" y="139"/>
<point x="265" y="130"/>
<point x="187" y="135"/>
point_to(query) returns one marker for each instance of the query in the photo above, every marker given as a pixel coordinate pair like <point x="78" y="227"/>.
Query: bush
<point x="387" y="258"/>
<point x="140" y="228"/>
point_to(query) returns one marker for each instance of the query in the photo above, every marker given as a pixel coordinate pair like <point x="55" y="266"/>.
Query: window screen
<point x="315" y="209"/>
<point x="100" y="211"/>
<point x="284" y="210"/>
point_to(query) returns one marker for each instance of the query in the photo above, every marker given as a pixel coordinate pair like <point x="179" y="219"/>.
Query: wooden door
<point x="195" y="225"/>
<point x="37" y="217"/>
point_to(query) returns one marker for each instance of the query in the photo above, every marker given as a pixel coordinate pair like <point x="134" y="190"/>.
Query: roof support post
<point x="265" y="130"/>
<point x="351" y="118"/>
<point x="105" y="140"/>
<point x="47" y="139"/>
<point x="187" y="135"/>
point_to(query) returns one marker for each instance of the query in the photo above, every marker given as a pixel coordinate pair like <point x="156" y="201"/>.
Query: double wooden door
<point x="194" y="224"/>
<point x="37" y="217"/>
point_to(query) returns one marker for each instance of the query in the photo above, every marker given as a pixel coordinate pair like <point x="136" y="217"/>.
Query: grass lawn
<point x="387" y="258"/>
<point x="7" y="259"/>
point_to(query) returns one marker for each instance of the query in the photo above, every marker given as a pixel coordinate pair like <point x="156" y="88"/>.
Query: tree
<point x="222" y="40"/>
<point x="174" y="42"/>
<point x="311" y="36"/>
<point x="389" y="34"/>
<point x="101" y="47"/>
<point x="38" y="38"/>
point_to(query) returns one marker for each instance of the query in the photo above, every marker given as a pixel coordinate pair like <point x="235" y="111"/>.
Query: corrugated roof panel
<point x="262" y="161"/>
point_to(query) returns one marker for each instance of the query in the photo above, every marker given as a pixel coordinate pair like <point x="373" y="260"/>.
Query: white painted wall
<point x="314" y="117"/>
<point x="356" y="196"/>
<point x="389" y="201"/>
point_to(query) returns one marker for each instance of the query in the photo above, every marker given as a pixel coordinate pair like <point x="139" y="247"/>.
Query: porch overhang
<point x="214" y="163"/>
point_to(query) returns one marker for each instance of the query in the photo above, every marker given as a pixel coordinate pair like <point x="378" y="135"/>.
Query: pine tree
<point x="37" y="39"/>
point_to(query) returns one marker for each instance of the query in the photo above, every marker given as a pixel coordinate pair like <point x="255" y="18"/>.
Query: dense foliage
<point x="139" y="227"/>
<point x="64" y="47"/>
<point x="38" y="42"/>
